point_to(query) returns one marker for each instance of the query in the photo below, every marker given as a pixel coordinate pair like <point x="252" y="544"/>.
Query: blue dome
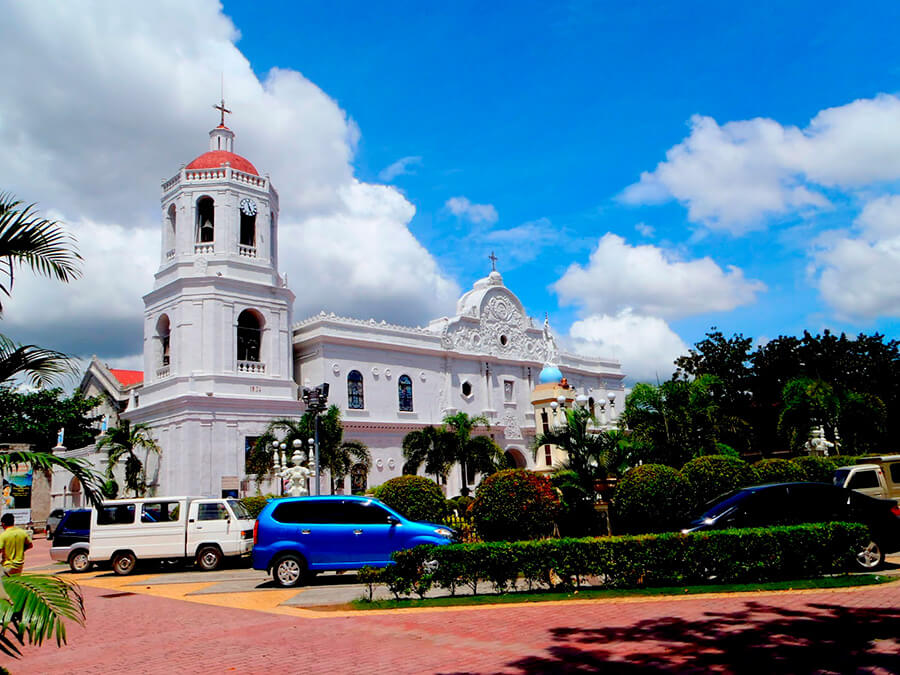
<point x="550" y="374"/>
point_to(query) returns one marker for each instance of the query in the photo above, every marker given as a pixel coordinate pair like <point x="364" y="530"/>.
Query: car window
<point x="78" y="520"/>
<point x="240" y="511"/>
<point x="765" y="507"/>
<point x="306" y="512"/>
<point x="212" y="511"/>
<point x="160" y="512"/>
<point x="813" y="503"/>
<point x="840" y="476"/>
<point x="362" y="513"/>
<point x="115" y="514"/>
<point x="864" y="479"/>
<point x="895" y="472"/>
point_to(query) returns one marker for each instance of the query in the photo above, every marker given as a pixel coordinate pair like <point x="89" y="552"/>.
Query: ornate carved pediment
<point x="501" y="331"/>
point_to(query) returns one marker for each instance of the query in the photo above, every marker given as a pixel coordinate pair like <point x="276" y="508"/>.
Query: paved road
<point x="140" y="625"/>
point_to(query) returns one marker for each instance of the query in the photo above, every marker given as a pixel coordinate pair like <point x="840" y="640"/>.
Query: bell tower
<point x="218" y="360"/>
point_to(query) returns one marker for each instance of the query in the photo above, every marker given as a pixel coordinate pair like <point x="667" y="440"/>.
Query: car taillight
<point x="255" y="532"/>
<point x="896" y="510"/>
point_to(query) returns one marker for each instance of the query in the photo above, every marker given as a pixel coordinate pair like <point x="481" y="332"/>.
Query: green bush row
<point x="725" y="556"/>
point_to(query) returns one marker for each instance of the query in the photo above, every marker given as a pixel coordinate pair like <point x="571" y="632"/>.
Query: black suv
<point x="795" y="503"/>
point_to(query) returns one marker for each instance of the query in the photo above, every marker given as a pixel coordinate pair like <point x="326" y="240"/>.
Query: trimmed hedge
<point x="713" y="475"/>
<point x="514" y="504"/>
<point x="255" y="504"/>
<point x="416" y="497"/>
<point x="725" y="556"/>
<point x="651" y="498"/>
<point x="816" y="469"/>
<point x="778" y="471"/>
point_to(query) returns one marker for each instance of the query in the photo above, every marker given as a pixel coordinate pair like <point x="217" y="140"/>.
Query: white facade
<point x="486" y="361"/>
<point x="222" y="358"/>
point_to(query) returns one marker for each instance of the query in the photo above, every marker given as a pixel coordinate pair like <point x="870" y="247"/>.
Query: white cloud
<point x="733" y="177"/>
<point x="475" y="213"/>
<point x="401" y="167"/>
<point x="522" y="243"/>
<point x="652" y="281"/>
<point x="646" y="346"/>
<point x="857" y="274"/>
<point x="645" y="230"/>
<point x="111" y="99"/>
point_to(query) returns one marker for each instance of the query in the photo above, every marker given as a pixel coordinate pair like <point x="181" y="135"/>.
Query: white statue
<point x="550" y="343"/>
<point x="818" y="444"/>
<point x="297" y="475"/>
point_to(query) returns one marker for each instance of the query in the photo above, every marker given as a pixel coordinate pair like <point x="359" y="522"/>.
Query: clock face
<point x="248" y="207"/>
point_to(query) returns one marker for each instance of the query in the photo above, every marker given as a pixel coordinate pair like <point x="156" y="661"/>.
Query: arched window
<point x="206" y="219"/>
<point x="163" y="332"/>
<point x="404" y="389"/>
<point x="170" y="230"/>
<point x="355" y="390"/>
<point x="249" y="336"/>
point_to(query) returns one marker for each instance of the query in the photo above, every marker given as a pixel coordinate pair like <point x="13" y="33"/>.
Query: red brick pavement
<point x="833" y="631"/>
<point x="854" y="630"/>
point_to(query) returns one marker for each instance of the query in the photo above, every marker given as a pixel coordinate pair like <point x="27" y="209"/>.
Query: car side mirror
<point x="393" y="520"/>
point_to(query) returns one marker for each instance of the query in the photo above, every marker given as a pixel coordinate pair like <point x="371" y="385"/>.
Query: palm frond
<point x="91" y="481"/>
<point x="41" y="244"/>
<point x="38" y="605"/>
<point x="42" y="367"/>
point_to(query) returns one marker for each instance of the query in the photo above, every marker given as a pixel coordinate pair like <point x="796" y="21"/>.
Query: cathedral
<point x="223" y="356"/>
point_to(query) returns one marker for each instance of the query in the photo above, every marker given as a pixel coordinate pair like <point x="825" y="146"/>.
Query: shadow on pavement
<point x="758" y="639"/>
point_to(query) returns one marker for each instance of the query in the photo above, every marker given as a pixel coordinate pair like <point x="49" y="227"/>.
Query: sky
<point x="644" y="171"/>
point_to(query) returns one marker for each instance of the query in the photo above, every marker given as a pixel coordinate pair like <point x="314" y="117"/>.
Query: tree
<point x="37" y="604"/>
<point x="431" y="447"/>
<point x="122" y="442"/>
<point x="35" y="417"/>
<point x="591" y="455"/>
<point x="479" y="453"/>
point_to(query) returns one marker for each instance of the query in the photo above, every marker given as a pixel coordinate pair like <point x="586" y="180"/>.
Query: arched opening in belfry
<point x="249" y="336"/>
<point x="163" y="334"/>
<point x="170" y="227"/>
<point x="248" y="230"/>
<point x="206" y="219"/>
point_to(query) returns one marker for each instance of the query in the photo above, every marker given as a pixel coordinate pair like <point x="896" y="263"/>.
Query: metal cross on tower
<point x="493" y="260"/>
<point x="221" y="107"/>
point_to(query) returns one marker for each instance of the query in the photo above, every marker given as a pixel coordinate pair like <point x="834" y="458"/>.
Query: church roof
<point x="216" y="158"/>
<point x="127" y="377"/>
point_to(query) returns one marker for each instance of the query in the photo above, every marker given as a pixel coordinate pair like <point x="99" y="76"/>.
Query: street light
<point x="316" y="400"/>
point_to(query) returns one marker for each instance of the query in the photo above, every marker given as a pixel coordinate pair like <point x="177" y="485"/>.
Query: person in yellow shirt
<point x="14" y="541"/>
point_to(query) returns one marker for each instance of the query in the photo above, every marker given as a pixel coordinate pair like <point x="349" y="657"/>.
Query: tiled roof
<point x="128" y="377"/>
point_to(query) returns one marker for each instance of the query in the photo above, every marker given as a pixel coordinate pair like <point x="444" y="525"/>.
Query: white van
<point x="874" y="476"/>
<point x="202" y="529"/>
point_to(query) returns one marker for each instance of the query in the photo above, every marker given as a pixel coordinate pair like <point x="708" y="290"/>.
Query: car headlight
<point x="443" y="532"/>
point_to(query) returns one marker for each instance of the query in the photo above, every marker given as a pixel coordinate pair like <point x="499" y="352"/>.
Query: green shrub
<point x="816" y="469"/>
<point x="651" y="498"/>
<point x="777" y="471"/>
<point x="577" y="516"/>
<point x="416" y="497"/>
<point x="714" y="475"/>
<point x="514" y="504"/>
<point x="721" y="556"/>
<point x="255" y="504"/>
<point x="371" y="577"/>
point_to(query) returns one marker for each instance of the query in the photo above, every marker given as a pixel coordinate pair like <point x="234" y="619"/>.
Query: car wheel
<point x="871" y="557"/>
<point x="123" y="563"/>
<point x="78" y="561"/>
<point x="289" y="571"/>
<point x="209" y="558"/>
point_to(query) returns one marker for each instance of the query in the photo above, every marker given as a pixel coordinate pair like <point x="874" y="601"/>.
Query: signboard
<point x="16" y="495"/>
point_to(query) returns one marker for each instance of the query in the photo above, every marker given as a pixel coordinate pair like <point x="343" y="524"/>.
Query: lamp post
<point x="316" y="400"/>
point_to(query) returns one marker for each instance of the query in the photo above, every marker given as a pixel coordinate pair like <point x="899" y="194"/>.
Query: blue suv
<point x="299" y="536"/>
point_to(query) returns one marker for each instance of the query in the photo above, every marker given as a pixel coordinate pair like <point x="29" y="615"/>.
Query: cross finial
<point x="493" y="260"/>
<point x="221" y="108"/>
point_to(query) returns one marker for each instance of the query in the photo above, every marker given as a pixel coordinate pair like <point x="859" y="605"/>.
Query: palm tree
<point x="42" y="367"/>
<point x="123" y="441"/>
<point x="591" y="455"/>
<point x="26" y="239"/>
<point x="431" y="447"/>
<point x="478" y="452"/>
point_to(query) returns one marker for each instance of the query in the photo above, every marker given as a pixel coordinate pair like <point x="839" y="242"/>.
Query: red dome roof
<point x="216" y="158"/>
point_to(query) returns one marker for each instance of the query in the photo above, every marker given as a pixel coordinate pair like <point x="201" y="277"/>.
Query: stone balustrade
<point x="206" y="248"/>
<point x="247" y="251"/>
<point x="251" y="367"/>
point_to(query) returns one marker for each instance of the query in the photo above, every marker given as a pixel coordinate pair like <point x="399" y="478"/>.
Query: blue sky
<point x="549" y="111"/>
<point x="644" y="171"/>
